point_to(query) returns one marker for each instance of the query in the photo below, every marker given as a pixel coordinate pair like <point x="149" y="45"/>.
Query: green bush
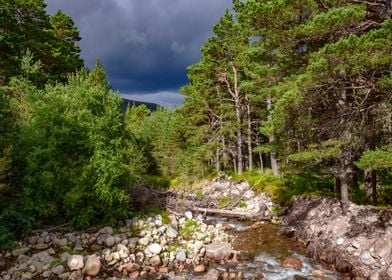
<point x="283" y="189"/>
<point x="76" y="167"/>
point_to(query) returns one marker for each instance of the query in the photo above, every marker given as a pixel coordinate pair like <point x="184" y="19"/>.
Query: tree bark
<point x="237" y="104"/>
<point x="250" y="153"/>
<point x="346" y="177"/>
<point x="337" y="185"/>
<point x="274" y="161"/>
<point x="230" y="213"/>
<point x="370" y="183"/>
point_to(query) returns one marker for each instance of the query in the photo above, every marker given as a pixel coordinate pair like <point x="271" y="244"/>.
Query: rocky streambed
<point x="195" y="245"/>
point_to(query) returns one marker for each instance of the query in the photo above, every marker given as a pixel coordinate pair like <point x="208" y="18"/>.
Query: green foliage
<point x="76" y="168"/>
<point x="52" y="41"/>
<point x="188" y="228"/>
<point x="282" y="190"/>
<point x="380" y="158"/>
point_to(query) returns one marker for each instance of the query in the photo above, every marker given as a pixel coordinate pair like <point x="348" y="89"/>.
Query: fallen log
<point x="232" y="214"/>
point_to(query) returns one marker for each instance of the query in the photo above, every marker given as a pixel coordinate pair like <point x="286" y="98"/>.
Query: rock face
<point x="218" y="251"/>
<point x="359" y="243"/>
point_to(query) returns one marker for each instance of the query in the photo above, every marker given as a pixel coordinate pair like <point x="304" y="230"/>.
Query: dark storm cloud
<point x="145" y="45"/>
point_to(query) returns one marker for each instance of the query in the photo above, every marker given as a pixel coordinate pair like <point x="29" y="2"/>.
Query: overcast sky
<point x="145" y="45"/>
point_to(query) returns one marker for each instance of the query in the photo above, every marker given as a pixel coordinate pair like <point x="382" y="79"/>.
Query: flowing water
<point x="264" y="250"/>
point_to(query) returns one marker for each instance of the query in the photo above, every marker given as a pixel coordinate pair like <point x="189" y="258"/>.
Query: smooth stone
<point x="106" y="230"/>
<point x="367" y="258"/>
<point x="155" y="261"/>
<point x="181" y="256"/>
<point x="171" y="232"/>
<point x="132" y="267"/>
<point x="93" y="265"/>
<point x="20" y="251"/>
<point x="143" y="241"/>
<point x="41" y="246"/>
<point x="155" y="248"/>
<point x="218" y="251"/>
<point x="199" y="268"/>
<point x="75" y="262"/>
<point x="110" y="241"/>
<point x="340" y="241"/>
<point x="58" y="269"/>
<point x="188" y="215"/>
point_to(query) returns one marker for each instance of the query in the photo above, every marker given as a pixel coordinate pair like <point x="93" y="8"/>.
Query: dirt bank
<point x="359" y="243"/>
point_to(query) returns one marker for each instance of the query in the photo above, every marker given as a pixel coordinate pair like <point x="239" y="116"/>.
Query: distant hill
<point x="127" y="102"/>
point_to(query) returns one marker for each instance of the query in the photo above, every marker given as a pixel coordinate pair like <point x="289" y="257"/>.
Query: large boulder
<point x="218" y="251"/>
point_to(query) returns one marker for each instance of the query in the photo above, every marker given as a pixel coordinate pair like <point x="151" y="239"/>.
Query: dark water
<point x="266" y="250"/>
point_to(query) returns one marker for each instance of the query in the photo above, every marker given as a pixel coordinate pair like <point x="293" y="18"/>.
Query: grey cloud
<point x="168" y="99"/>
<point x="145" y="45"/>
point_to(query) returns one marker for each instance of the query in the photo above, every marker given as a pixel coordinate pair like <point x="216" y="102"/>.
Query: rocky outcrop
<point x="224" y="198"/>
<point x="359" y="243"/>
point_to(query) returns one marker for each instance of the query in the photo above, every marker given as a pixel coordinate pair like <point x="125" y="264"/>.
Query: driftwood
<point x="230" y="213"/>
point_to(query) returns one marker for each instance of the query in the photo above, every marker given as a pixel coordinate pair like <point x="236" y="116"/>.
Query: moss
<point x="55" y="262"/>
<point x="70" y="250"/>
<point x="188" y="228"/>
<point x="199" y="193"/>
<point x="243" y="204"/>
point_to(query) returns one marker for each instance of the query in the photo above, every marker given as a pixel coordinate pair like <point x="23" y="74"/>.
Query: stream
<point x="263" y="251"/>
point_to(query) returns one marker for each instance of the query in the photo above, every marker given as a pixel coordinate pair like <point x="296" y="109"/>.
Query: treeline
<point x="305" y="85"/>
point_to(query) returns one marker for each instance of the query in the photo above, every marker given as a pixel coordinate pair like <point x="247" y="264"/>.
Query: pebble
<point x="199" y="268"/>
<point x="75" y="262"/>
<point x="181" y="256"/>
<point x="155" y="248"/>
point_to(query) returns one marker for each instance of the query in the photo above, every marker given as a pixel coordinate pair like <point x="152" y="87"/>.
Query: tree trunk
<point x="337" y="185"/>
<point x="250" y="153"/>
<point x="346" y="177"/>
<point x="217" y="160"/>
<point x="235" y="94"/>
<point x="261" y="162"/>
<point x="274" y="161"/>
<point x="370" y="183"/>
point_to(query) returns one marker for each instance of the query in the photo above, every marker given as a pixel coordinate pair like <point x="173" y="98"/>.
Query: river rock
<point x="143" y="241"/>
<point x="132" y="267"/>
<point x="20" y="251"/>
<point x="188" y="215"/>
<point x="93" y="265"/>
<point x="181" y="256"/>
<point x="41" y="246"/>
<point x="106" y="230"/>
<point x="212" y="274"/>
<point x="199" y="268"/>
<point x="27" y="275"/>
<point x="110" y="241"/>
<point x="171" y="232"/>
<point x="76" y="275"/>
<point x="58" y="269"/>
<point x="155" y="261"/>
<point x="292" y="262"/>
<point x="155" y="248"/>
<point x="367" y="258"/>
<point x="218" y="251"/>
<point x="75" y="262"/>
